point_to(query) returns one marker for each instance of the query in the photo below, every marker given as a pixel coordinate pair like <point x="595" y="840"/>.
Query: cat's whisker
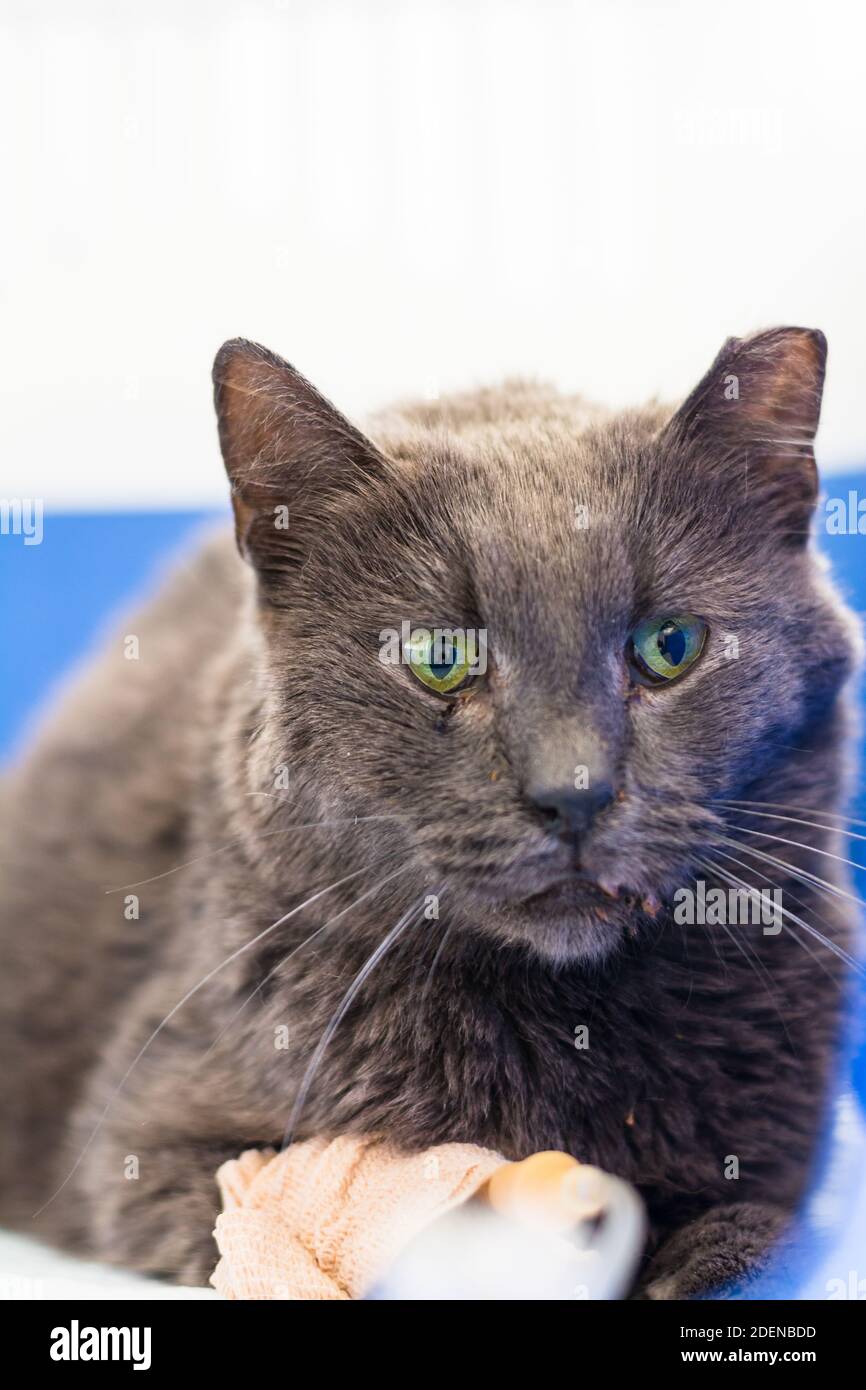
<point x="429" y="977"/>
<point x="821" y="886"/>
<point x="785" y="806"/>
<point x="243" y="839"/>
<point x="799" y="844"/>
<point x="792" y="820"/>
<point x="837" y="950"/>
<point x="750" y="957"/>
<point x="338" y="1016"/>
<point x="285" y="959"/>
<point x="247" y="946"/>
<point x="804" y="875"/>
<point x="350" y="820"/>
<point x="719" y="956"/>
<point x="751" y="869"/>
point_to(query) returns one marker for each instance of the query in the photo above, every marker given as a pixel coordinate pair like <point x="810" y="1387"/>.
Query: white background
<point x="404" y="197"/>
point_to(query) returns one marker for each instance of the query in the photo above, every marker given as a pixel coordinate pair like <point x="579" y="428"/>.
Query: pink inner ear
<point x="285" y="448"/>
<point x="751" y="422"/>
<point x="784" y="390"/>
<point x="759" y="391"/>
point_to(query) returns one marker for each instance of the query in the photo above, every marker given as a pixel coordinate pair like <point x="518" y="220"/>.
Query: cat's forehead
<point x="547" y="479"/>
<point x="569" y="530"/>
<point x="543" y="522"/>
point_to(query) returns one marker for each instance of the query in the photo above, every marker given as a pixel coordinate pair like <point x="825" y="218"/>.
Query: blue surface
<point x="57" y="598"/>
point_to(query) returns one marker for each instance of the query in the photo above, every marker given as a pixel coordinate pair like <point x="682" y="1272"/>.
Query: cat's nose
<point x="569" y="810"/>
<point x="569" y="771"/>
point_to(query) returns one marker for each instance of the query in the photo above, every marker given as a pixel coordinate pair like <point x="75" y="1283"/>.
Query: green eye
<point x="442" y="661"/>
<point x="663" y="648"/>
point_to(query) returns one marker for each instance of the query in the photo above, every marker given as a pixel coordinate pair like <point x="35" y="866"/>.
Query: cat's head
<point x="655" y="635"/>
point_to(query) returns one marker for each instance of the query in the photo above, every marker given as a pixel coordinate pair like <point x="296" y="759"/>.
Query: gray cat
<point x="437" y="866"/>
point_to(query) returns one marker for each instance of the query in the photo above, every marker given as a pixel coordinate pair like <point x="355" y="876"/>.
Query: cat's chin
<point x="572" y="922"/>
<point x="574" y="939"/>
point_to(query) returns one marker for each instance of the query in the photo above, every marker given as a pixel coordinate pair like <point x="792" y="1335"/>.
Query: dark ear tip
<point x="230" y="349"/>
<point x="819" y="341"/>
<point x="812" y="353"/>
<point x="813" y="336"/>
<point x="236" y="349"/>
<point x="810" y="341"/>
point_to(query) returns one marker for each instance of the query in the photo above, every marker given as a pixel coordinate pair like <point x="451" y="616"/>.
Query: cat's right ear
<point x="288" y="453"/>
<point x="752" y="422"/>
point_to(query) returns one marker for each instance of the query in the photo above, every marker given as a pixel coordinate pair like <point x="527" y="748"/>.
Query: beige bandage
<point x="323" y="1219"/>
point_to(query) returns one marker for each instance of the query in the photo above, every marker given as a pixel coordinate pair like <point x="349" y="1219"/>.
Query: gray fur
<point x="463" y="512"/>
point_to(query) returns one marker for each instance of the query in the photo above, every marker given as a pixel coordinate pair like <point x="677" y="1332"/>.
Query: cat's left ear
<point x="290" y="455"/>
<point x="754" y="416"/>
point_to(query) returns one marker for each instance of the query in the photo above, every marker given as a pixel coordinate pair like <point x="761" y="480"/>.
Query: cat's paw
<point x="719" y="1255"/>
